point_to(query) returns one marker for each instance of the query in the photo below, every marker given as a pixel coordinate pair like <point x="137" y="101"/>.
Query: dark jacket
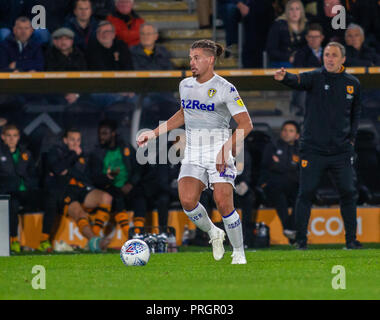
<point x="333" y="107"/>
<point x="366" y="57"/>
<point x="11" y="174"/>
<point x="56" y="61"/>
<point x="279" y="42"/>
<point x="116" y="58"/>
<point x="96" y="160"/>
<point x="305" y="58"/>
<point x="284" y="172"/>
<point x="60" y="158"/>
<point x="82" y="36"/>
<point x="159" y="60"/>
<point x="31" y="57"/>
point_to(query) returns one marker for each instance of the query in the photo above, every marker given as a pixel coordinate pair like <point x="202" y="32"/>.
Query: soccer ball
<point x="135" y="252"/>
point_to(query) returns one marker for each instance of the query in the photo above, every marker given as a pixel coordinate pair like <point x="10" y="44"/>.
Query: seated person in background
<point x="113" y="168"/>
<point x="107" y="53"/>
<point x="64" y="56"/>
<point x="19" y="52"/>
<point x="279" y="177"/>
<point x="67" y="174"/>
<point x="83" y="23"/>
<point x="286" y="35"/>
<point x="150" y="56"/>
<point x="310" y="55"/>
<point x="358" y="54"/>
<point x="126" y="22"/>
<point x="18" y="178"/>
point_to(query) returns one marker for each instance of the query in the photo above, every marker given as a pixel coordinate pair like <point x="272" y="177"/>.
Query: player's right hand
<point x="279" y="75"/>
<point x="144" y="137"/>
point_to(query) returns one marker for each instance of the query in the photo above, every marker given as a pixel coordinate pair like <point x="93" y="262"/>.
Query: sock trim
<point x="191" y="209"/>
<point x="230" y="214"/>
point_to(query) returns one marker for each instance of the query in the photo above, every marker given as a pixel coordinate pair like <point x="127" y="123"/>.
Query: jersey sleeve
<point x="233" y="100"/>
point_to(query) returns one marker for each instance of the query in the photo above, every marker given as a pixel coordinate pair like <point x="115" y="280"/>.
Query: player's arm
<point x="302" y="81"/>
<point x="236" y="142"/>
<point x="176" y="121"/>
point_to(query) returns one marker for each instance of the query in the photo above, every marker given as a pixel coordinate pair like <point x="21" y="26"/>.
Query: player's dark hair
<point x="293" y="123"/>
<point x="72" y="129"/>
<point x="213" y="47"/>
<point x="108" y="123"/>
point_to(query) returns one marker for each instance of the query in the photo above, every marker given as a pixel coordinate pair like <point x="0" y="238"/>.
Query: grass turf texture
<point x="275" y="273"/>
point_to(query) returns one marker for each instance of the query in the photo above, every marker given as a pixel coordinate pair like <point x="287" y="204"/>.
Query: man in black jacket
<point x="279" y="175"/>
<point x="113" y="168"/>
<point x="64" y="56"/>
<point x="67" y="173"/>
<point x="18" y="177"/>
<point x="107" y="53"/>
<point x="333" y="107"/>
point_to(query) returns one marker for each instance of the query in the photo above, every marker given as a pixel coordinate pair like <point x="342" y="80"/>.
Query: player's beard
<point x="195" y="74"/>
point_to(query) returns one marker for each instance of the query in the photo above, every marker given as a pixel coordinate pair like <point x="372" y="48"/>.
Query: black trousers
<point x="282" y="196"/>
<point x="28" y="200"/>
<point x="313" y="166"/>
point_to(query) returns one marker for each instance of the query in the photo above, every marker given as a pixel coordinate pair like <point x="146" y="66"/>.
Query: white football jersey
<point x="208" y="108"/>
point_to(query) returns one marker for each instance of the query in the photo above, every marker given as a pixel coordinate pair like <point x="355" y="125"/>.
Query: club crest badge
<point x="211" y="92"/>
<point x="350" y="89"/>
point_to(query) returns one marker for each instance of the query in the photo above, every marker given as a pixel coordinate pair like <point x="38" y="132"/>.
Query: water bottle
<point x="162" y="243"/>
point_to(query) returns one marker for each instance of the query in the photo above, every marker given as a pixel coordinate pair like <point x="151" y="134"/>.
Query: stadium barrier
<point x="148" y="81"/>
<point x="325" y="227"/>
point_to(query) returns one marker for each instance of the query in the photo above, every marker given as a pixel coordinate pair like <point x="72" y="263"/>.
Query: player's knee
<point x="76" y="212"/>
<point x="188" y="202"/>
<point x="105" y="198"/>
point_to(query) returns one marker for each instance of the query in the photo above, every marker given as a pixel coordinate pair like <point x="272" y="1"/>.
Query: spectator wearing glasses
<point x="107" y="53"/>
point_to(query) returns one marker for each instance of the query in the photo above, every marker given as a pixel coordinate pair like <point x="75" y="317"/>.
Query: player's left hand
<point x="221" y="163"/>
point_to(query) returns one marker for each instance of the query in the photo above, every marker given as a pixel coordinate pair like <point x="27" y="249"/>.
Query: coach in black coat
<point x="331" y="122"/>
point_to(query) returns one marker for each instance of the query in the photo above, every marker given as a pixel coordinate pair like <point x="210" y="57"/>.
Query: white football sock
<point x="233" y="227"/>
<point x="200" y="218"/>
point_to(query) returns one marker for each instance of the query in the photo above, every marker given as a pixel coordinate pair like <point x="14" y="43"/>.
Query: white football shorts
<point x="208" y="174"/>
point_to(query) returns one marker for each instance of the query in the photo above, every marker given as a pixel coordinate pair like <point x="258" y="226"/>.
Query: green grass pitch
<point x="275" y="273"/>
